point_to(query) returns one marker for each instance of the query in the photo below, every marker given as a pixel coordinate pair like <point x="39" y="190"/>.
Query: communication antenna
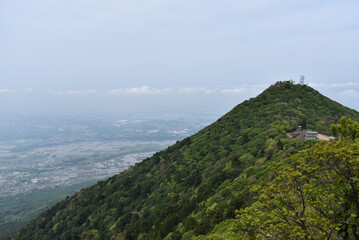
<point x="302" y="80"/>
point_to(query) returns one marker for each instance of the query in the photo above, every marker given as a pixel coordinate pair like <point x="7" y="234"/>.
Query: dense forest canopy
<point x="197" y="187"/>
<point x="314" y="195"/>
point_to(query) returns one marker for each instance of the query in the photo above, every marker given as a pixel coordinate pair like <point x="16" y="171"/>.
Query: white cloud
<point x="191" y="90"/>
<point x="6" y="90"/>
<point x="84" y="92"/>
<point x="115" y="91"/>
<point x="147" y="90"/>
<point x="334" y="85"/>
<point x="350" y="93"/>
<point x="233" y="90"/>
<point x="245" y="89"/>
<point x="144" y="90"/>
<point x="168" y="90"/>
<point x="91" y="91"/>
<point x="73" y="92"/>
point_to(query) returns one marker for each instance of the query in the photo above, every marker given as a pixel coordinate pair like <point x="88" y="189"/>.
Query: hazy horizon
<point x="149" y="103"/>
<point x="91" y="57"/>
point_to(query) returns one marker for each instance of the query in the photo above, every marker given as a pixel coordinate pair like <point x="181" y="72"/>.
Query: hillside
<point x="194" y="186"/>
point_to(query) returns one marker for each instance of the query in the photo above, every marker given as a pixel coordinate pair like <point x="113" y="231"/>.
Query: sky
<point x="90" y="56"/>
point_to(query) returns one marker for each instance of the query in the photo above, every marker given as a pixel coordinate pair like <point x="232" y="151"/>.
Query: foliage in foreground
<point x="314" y="195"/>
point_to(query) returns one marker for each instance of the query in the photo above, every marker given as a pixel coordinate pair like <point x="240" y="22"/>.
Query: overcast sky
<point x="201" y="55"/>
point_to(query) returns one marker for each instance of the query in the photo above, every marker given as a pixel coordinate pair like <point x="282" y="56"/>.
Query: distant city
<point x="47" y="152"/>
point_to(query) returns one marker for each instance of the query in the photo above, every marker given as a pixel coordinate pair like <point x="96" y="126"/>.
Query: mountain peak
<point x="199" y="182"/>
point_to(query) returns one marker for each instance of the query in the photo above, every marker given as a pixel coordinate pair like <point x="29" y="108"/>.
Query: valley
<point x="64" y="165"/>
<point x="44" y="159"/>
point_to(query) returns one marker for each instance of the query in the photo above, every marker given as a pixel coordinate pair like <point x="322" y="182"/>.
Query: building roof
<point x="301" y="135"/>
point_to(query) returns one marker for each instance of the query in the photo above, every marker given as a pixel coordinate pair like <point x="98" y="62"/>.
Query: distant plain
<point x="43" y="159"/>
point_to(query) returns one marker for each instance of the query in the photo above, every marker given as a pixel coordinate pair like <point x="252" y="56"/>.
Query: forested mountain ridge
<point x="197" y="184"/>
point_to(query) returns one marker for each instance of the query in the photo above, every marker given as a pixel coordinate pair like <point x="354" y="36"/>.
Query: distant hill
<point x="196" y="185"/>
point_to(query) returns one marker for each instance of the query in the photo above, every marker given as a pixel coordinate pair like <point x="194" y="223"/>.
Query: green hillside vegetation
<point x="17" y="211"/>
<point x="193" y="188"/>
<point x="314" y="194"/>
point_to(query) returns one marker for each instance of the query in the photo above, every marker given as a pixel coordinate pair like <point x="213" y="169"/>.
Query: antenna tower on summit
<point x="302" y="80"/>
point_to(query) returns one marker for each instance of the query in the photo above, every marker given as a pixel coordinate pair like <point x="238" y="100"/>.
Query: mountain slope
<point x="194" y="185"/>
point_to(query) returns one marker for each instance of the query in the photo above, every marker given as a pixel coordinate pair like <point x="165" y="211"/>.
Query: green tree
<point x="314" y="194"/>
<point x="118" y="236"/>
<point x="346" y="129"/>
<point x="90" y="235"/>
